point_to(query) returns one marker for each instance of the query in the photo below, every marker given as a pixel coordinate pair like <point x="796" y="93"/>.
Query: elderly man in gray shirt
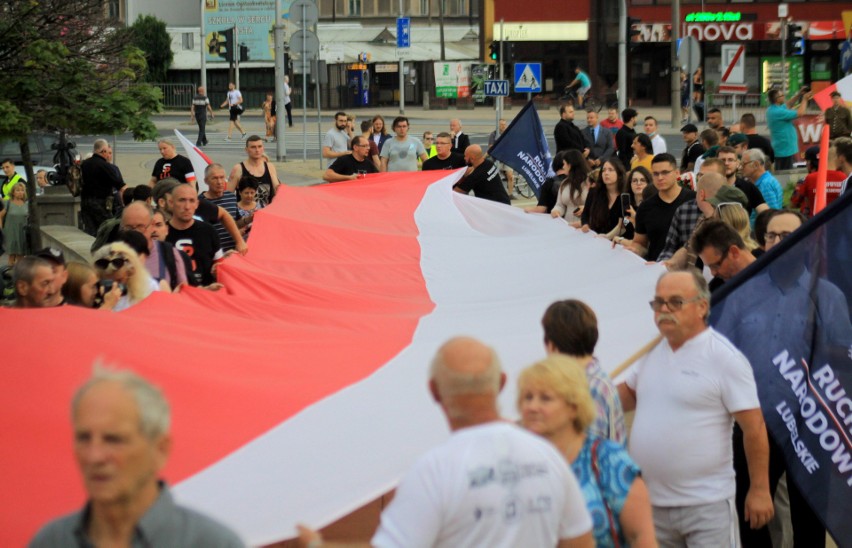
<point x="120" y="451"/>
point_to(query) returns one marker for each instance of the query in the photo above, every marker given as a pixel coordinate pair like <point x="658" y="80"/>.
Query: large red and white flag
<point x="299" y="393"/>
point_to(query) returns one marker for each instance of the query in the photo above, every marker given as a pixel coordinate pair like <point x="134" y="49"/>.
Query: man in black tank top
<point x="256" y="167"/>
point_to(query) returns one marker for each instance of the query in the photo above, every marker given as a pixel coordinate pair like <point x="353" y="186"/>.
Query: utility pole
<point x="280" y="72"/>
<point x="401" y="74"/>
<point x="203" y="50"/>
<point x="675" y="64"/>
<point x="622" y="55"/>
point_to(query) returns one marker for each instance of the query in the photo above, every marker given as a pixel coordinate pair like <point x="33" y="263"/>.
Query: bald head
<point x="710" y="183"/>
<point x="464" y="365"/>
<point x="473" y="155"/>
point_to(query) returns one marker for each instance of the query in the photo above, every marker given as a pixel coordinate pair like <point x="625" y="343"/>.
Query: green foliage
<point x="149" y="35"/>
<point x="66" y="67"/>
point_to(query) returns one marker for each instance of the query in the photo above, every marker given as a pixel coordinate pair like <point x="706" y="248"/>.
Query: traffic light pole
<point x="236" y="57"/>
<point x="622" y="55"/>
<point x="280" y="72"/>
<point x="675" y="64"/>
<point x="500" y="65"/>
<point x="203" y="50"/>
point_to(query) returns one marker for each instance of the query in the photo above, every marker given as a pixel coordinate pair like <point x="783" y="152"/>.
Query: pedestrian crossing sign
<point x="527" y="77"/>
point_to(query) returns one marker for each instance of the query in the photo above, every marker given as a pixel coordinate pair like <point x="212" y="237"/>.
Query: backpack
<point x="168" y="257"/>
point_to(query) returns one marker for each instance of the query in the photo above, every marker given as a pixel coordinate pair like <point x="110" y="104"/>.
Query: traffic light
<point x="495" y="51"/>
<point x="795" y="40"/>
<point x="509" y="51"/>
<point x="244" y="53"/>
<point x="633" y="31"/>
<point x="224" y="44"/>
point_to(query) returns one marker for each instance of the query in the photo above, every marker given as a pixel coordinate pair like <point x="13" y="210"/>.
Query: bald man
<point x="482" y="177"/>
<point x="436" y="501"/>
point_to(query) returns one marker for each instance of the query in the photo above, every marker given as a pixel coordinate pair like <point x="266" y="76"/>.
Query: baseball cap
<point x="737" y="139"/>
<point x="689" y="128"/>
<point x="728" y="194"/>
<point x="51" y="254"/>
<point x="812" y="154"/>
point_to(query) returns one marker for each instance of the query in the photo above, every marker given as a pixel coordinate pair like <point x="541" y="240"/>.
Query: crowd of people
<point x="152" y="237"/>
<point x="719" y="206"/>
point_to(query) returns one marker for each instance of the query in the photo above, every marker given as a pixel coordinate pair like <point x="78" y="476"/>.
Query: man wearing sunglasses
<point x="445" y="157"/>
<point x="687" y="392"/>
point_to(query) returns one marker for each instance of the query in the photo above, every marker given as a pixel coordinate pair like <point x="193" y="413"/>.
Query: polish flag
<point x="199" y="160"/>
<point x="298" y="393"/>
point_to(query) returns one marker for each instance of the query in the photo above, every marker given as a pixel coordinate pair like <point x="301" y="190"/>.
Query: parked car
<point x="40" y="149"/>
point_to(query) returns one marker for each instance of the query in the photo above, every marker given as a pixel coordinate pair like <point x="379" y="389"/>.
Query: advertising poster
<point x="254" y="20"/>
<point x="452" y="80"/>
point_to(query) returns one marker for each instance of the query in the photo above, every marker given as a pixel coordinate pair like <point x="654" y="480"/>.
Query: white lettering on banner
<point x="802" y="451"/>
<point x="832" y="437"/>
<point x="534" y="165"/>
<point x="721" y="31"/>
<point x="810" y="133"/>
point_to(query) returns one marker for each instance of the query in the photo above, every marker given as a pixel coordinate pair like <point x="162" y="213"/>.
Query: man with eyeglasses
<point x="781" y="225"/>
<point x="655" y="214"/>
<point x="754" y="169"/>
<point x="139" y="216"/>
<point x="687" y="392"/>
<point x="352" y="166"/>
<point x="401" y="152"/>
<point x="445" y="158"/>
<point x="721" y="249"/>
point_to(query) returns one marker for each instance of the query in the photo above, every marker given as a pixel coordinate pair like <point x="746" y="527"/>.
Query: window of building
<point x="188" y="41"/>
<point x="354" y="8"/>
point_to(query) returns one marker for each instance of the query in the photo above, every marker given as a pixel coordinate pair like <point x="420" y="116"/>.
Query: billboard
<point x="254" y="20"/>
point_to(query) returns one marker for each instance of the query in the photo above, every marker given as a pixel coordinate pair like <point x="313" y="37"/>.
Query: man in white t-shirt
<point x="687" y="393"/>
<point x="492" y="483"/>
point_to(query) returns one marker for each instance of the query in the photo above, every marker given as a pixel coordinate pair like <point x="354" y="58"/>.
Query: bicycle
<point x="521" y="185"/>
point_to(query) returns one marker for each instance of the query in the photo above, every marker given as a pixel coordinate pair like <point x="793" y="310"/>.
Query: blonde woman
<point x="735" y="215"/>
<point x="13" y="221"/>
<point x="119" y="263"/>
<point x="554" y="402"/>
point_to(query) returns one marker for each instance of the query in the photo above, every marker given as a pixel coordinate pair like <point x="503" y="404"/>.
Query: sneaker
<point x="244" y="135"/>
<point x="227" y="138"/>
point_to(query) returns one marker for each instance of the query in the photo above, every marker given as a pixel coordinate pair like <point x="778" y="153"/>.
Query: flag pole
<point x="635" y="356"/>
<point x="822" y="171"/>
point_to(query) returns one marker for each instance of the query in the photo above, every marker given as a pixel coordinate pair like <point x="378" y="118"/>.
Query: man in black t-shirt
<point x="352" y="166"/>
<point x="445" y="157"/>
<point x="693" y="149"/>
<point x="172" y="165"/>
<point x="482" y="177"/>
<point x="729" y="158"/>
<point x="195" y="238"/>
<point x="655" y="214"/>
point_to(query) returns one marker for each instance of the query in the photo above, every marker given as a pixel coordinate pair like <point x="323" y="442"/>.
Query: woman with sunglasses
<point x="555" y="403"/>
<point x="120" y="264"/>
<point x="82" y="289"/>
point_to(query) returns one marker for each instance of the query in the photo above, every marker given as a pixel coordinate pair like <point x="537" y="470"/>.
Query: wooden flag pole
<point x="636" y="355"/>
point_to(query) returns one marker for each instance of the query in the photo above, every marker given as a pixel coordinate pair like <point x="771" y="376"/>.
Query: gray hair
<point x="755" y="155"/>
<point x="701" y="286"/>
<point x="99" y="145"/>
<point x="154" y="412"/>
<point x="211" y="167"/>
<point x="165" y="141"/>
<point x="454" y="383"/>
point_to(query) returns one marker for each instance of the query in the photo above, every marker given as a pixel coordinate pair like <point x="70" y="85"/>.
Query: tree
<point x="149" y="35"/>
<point x="66" y="67"/>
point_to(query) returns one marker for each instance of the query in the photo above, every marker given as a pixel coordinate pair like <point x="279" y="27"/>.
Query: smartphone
<point x="625" y="204"/>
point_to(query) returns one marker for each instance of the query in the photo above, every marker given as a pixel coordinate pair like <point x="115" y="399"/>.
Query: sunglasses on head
<point x="116" y="263"/>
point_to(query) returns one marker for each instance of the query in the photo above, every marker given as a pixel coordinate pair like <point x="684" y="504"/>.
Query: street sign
<point x="733" y="64"/>
<point x="304" y="13"/>
<point x="496" y="88"/>
<point x="304" y="41"/>
<point x="528" y="77"/>
<point x="403" y="32"/>
<point x="689" y="54"/>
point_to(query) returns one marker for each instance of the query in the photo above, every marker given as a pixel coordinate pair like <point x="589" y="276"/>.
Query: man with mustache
<point x="687" y="393"/>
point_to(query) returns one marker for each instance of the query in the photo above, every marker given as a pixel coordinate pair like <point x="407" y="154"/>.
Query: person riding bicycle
<point x="583" y="84"/>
